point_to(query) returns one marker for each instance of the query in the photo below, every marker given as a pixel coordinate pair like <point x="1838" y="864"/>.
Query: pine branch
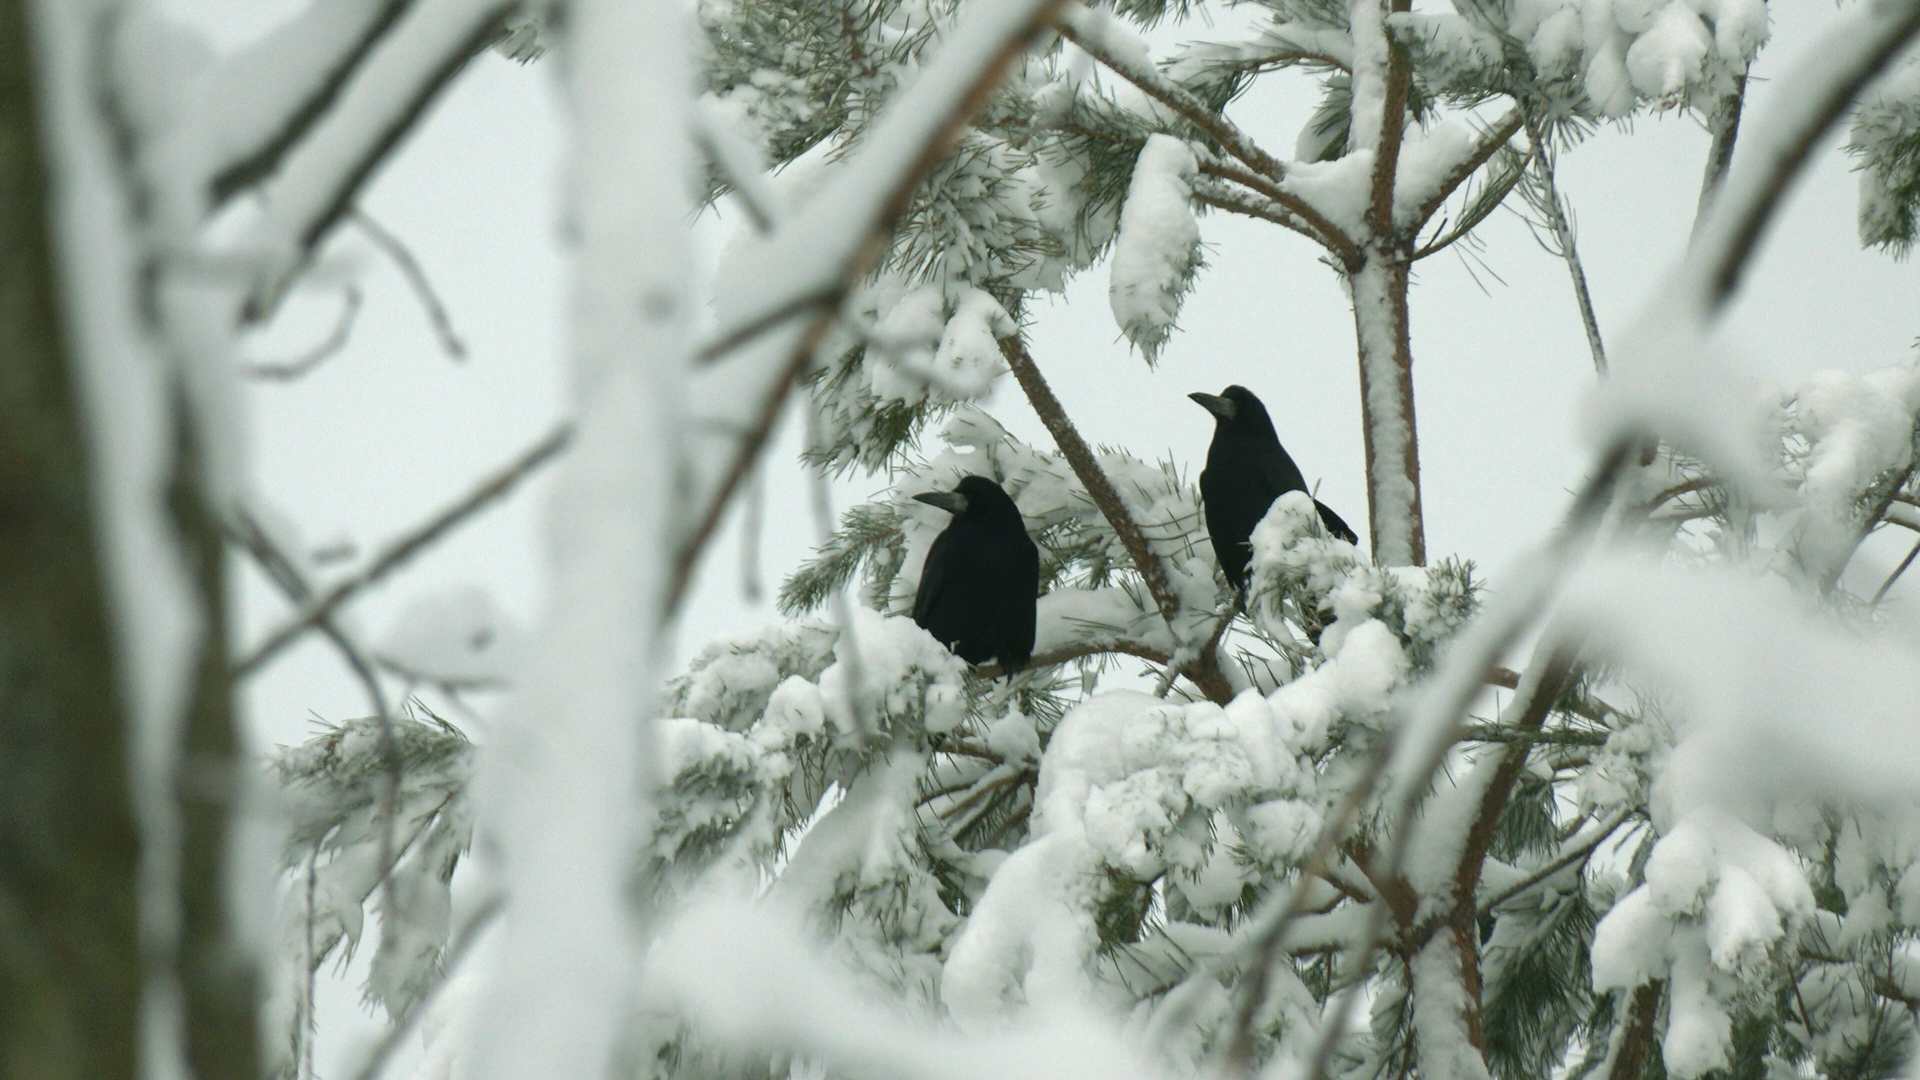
<point x="1310" y="222"/>
<point x="1547" y="201"/>
<point x="1577" y="853"/>
<point x="1490" y="143"/>
<point x="1630" y="1059"/>
<point x="851" y="216"/>
<point x="1204" y="671"/>
<point x="1081" y="26"/>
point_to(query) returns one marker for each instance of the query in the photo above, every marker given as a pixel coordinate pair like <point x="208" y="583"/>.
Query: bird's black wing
<point x="1334" y="524"/>
<point x="1278" y="470"/>
<point x="933" y="577"/>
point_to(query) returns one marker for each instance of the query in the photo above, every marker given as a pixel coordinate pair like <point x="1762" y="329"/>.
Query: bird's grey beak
<point x="1224" y="408"/>
<point x="951" y="501"/>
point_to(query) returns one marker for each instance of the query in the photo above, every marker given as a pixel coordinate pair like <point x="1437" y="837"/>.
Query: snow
<point x="1699" y="1031"/>
<point x="455" y="636"/>
<point x="1858" y="426"/>
<point x="1339" y="189"/>
<point x="1392" y="491"/>
<point x="1427" y="159"/>
<point x="1440" y="1006"/>
<point x="564" y="783"/>
<point x="1158" y="249"/>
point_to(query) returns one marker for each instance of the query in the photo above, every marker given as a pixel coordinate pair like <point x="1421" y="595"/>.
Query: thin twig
<point x="1498" y="135"/>
<point x="410" y="268"/>
<point x="1561" y="225"/>
<point x="1881" y="592"/>
<point x="401" y="551"/>
<point x="289" y="370"/>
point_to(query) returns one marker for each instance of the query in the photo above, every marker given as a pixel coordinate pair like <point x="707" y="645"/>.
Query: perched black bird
<point x="1247" y="469"/>
<point x="981" y="577"/>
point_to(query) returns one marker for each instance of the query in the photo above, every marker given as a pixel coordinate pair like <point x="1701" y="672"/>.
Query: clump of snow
<point x="1857" y="427"/>
<point x="1339" y="189"/>
<point x="456" y="636"/>
<point x="1158" y="250"/>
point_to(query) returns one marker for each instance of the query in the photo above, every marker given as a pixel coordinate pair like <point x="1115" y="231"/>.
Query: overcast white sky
<point x="392" y="429"/>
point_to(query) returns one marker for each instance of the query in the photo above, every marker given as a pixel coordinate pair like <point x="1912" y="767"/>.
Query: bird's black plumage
<point x="982" y="574"/>
<point x="1247" y="469"/>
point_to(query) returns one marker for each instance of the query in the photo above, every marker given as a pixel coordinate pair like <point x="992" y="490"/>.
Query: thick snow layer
<point x="1339" y="189"/>
<point x="1427" y="159"/>
<point x="1158" y="249"/>
<point x="1857" y="427"/>
<point x="1440" y="1006"/>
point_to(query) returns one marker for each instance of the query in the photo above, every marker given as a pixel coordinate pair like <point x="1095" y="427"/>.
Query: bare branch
<point x="416" y="277"/>
<point x="1080" y="26"/>
<point x="299" y="366"/>
<point x="1544" y="195"/>
<point x="398" y="553"/>
<point x="1881" y="592"/>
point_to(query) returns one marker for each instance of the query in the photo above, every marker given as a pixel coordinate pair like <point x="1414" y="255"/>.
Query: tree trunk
<point x="70" y="972"/>
<point x="1396" y="531"/>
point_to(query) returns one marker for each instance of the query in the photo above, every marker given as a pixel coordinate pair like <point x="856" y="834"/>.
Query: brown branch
<point x="1490" y="143"/>
<point x="1182" y="101"/>
<point x="1881" y="592"/>
<point x="1724" y="122"/>
<point x="260" y="163"/>
<point x="1323" y="230"/>
<point x="1393" y="123"/>
<point x="403" y="550"/>
<point x="1630" y="1060"/>
<point x="1204" y="670"/>
<point x="1102" y="647"/>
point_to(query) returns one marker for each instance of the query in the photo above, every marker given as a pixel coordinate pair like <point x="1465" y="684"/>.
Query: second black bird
<point x="981" y="577"/>
<point x="1247" y="469"/>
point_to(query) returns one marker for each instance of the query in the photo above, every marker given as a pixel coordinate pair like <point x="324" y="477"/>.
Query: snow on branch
<point x="320" y="177"/>
<point x="820" y="251"/>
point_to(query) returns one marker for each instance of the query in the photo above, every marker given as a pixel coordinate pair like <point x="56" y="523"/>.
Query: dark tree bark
<point x="69" y="850"/>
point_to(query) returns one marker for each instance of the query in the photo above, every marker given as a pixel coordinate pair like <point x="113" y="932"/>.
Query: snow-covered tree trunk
<point x="70" y="973"/>
<point x="572" y="775"/>
<point x="1381" y="78"/>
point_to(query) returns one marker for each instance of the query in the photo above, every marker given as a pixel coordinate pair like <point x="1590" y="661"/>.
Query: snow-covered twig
<point x="1575" y="852"/>
<point x="321" y="177"/>
<point x="399" y="552"/>
<point x="1088" y="29"/>
<point x="1544" y="196"/>
<point x="294" y="43"/>
<point x="1866" y="39"/>
<point x="416" y="277"/>
<point x="1292" y="211"/>
<point x="299" y="366"/>
<point x="1491" y="140"/>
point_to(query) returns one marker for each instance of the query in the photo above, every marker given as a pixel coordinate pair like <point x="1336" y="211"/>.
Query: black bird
<point x="1247" y="469"/>
<point x="982" y="574"/>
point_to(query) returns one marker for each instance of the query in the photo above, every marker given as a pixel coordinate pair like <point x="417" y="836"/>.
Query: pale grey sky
<point x="392" y="429"/>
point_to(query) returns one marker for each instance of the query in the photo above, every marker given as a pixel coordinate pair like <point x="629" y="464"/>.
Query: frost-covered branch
<point x="398" y="553"/>
<point x="1542" y="192"/>
<point x="1279" y="206"/>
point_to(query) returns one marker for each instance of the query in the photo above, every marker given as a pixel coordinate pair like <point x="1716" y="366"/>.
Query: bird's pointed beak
<point x="951" y="501"/>
<point x="1224" y="408"/>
